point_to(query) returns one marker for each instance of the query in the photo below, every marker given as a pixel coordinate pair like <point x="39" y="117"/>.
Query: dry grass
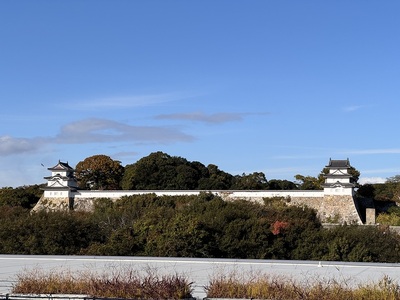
<point x="126" y="283"/>
<point x="130" y="284"/>
<point x="263" y="286"/>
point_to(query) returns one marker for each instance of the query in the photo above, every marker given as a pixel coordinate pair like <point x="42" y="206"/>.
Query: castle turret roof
<point x="338" y="163"/>
<point x="61" y="166"/>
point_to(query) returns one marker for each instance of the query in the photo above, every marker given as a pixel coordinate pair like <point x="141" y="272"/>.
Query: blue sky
<point x="252" y="86"/>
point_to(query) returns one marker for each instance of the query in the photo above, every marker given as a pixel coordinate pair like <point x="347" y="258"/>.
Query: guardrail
<point x="45" y="296"/>
<point x="62" y="297"/>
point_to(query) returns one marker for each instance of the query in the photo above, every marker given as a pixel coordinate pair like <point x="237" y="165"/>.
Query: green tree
<point x="99" y="172"/>
<point x="253" y="181"/>
<point x="277" y="184"/>
<point x="361" y="243"/>
<point x="366" y="191"/>
<point x="355" y="175"/>
<point x="160" y="171"/>
<point x="387" y="191"/>
<point x="55" y="233"/>
<point x="308" y="182"/>
<point x="25" y="196"/>
<point x="216" y="179"/>
<point x="393" y="179"/>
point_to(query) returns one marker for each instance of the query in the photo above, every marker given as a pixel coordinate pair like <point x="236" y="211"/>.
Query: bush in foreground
<point x="125" y="283"/>
<point x="263" y="286"/>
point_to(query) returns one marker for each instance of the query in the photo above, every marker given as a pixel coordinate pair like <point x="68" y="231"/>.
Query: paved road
<point x="198" y="270"/>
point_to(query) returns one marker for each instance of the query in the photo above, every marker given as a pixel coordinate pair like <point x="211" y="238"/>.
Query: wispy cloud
<point x="207" y="118"/>
<point x="95" y="131"/>
<point x="383" y="170"/>
<point x="374" y="151"/>
<point x="103" y="131"/>
<point x="126" y="154"/>
<point x="353" y="108"/>
<point x="288" y="170"/>
<point x="298" y="157"/>
<point x="11" y="145"/>
<point x="123" y="101"/>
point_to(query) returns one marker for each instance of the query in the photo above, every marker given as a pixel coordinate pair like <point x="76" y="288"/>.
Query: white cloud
<point x="207" y="118"/>
<point x="123" y="102"/>
<point x="94" y="131"/>
<point x="352" y="108"/>
<point x="383" y="170"/>
<point x="374" y="151"/>
<point x="371" y="180"/>
<point x="126" y="154"/>
<point x="298" y="157"/>
<point x="11" y="145"/>
<point x="105" y="131"/>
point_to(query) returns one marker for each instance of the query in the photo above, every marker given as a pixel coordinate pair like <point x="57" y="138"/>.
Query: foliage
<point x="253" y="181"/>
<point x="277" y="184"/>
<point x="365" y="244"/>
<point x="308" y="182"/>
<point x="193" y="226"/>
<point x="44" y="233"/>
<point x="160" y="171"/>
<point x="216" y="179"/>
<point x="391" y="217"/>
<point x="366" y="191"/>
<point x="25" y="196"/>
<point x="393" y="179"/>
<point x="355" y="175"/>
<point x="99" y="172"/>
<point x="388" y="191"/>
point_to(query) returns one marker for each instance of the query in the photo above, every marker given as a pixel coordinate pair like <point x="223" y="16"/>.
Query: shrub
<point x="121" y="283"/>
<point x="264" y="286"/>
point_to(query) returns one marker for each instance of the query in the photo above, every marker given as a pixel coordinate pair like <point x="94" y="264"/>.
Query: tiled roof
<point x="334" y="184"/>
<point x="61" y="166"/>
<point x="339" y="163"/>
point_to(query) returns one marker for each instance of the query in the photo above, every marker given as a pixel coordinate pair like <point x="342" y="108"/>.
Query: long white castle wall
<point x="116" y="194"/>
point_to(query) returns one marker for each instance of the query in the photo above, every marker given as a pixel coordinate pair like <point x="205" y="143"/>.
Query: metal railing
<point x="62" y="297"/>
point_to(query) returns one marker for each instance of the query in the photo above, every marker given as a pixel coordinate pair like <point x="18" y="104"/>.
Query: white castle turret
<point x="338" y="180"/>
<point x="61" y="183"/>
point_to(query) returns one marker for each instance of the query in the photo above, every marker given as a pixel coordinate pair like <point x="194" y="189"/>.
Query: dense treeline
<point x="160" y="171"/>
<point x="23" y="196"/>
<point x="192" y="226"/>
<point x="388" y="191"/>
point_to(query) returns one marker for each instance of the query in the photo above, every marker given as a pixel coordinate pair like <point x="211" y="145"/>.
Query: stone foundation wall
<point x="85" y="204"/>
<point x="331" y="208"/>
<point x="52" y="204"/>
<point x="370" y="216"/>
